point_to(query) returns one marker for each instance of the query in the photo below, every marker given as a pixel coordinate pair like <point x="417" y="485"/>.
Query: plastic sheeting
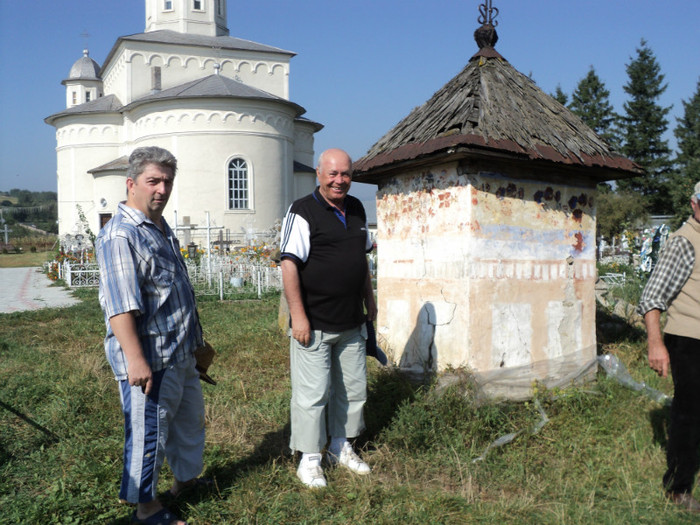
<point x="515" y="383"/>
<point x="613" y="368"/>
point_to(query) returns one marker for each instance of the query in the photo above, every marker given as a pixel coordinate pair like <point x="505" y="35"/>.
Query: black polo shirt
<point x="329" y="251"/>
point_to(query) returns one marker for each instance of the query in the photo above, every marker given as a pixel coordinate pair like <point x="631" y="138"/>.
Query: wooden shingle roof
<point x="491" y="107"/>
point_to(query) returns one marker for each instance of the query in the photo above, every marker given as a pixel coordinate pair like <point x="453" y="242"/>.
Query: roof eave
<point x="455" y="147"/>
<point x="135" y="38"/>
<point x="141" y="102"/>
<point x="51" y="119"/>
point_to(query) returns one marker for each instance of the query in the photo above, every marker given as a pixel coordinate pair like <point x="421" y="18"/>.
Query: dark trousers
<point x="684" y="432"/>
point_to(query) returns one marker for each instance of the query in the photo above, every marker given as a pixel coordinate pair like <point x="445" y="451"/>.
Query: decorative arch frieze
<point x="155" y="59"/>
<point x="130" y="57"/>
<point x="206" y="61"/>
<point x="186" y="62"/>
<point x="81" y="133"/>
<point x="275" y="67"/>
<point x="170" y="61"/>
<point x="226" y="119"/>
<point x="240" y="64"/>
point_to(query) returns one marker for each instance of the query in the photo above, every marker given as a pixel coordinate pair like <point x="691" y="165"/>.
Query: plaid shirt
<point x="670" y="275"/>
<point x="142" y="271"/>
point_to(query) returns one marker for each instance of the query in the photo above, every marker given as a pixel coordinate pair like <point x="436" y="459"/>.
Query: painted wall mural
<point x="505" y="263"/>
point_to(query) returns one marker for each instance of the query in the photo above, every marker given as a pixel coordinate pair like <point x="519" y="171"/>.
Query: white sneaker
<point x="310" y="472"/>
<point x="349" y="460"/>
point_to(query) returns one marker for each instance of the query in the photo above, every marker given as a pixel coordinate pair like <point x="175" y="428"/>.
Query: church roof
<point x="106" y="104"/>
<point x="300" y="167"/>
<point x="490" y="107"/>
<point x="216" y="86"/>
<point x="165" y="36"/>
<point x="212" y="86"/>
<point x="85" y="68"/>
<point x="120" y="164"/>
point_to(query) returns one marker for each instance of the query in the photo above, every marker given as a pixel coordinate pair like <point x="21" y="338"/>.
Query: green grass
<point x="28" y="258"/>
<point x="598" y="460"/>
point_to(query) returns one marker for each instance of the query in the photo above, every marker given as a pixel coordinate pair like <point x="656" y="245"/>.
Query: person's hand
<point x="372" y="311"/>
<point x="658" y="359"/>
<point x="139" y="374"/>
<point x="301" y="331"/>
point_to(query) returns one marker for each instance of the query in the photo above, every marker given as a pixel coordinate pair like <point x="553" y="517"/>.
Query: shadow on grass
<point x="659" y="419"/>
<point x="49" y="437"/>
<point x="387" y="391"/>
<point x="611" y="329"/>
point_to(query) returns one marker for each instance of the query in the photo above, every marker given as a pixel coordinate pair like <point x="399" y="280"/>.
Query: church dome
<point x="85" y="68"/>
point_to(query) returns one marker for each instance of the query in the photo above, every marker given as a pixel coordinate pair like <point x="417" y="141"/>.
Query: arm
<point x="666" y="281"/>
<point x="658" y="353"/>
<point x="301" y="328"/>
<point x="139" y="371"/>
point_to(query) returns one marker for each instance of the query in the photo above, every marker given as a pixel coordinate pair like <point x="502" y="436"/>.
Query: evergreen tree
<point x="560" y="96"/>
<point x="642" y="127"/>
<point x="688" y="159"/>
<point x="591" y="101"/>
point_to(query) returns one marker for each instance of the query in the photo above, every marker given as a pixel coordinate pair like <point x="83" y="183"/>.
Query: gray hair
<point x="142" y="157"/>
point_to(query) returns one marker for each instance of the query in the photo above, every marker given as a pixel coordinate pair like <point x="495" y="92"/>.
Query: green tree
<point x="616" y="212"/>
<point x="560" y="96"/>
<point x="687" y="133"/>
<point x="642" y="129"/>
<point x="591" y="101"/>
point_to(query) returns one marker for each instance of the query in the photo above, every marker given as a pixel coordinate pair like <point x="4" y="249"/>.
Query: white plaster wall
<point x="498" y="270"/>
<point x="83" y="143"/>
<point x="128" y="75"/>
<point x="110" y="186"/>
<point x="205" y="139"/>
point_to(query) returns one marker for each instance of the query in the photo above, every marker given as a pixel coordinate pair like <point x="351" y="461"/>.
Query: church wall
<point x="110" y="186"/>
<point x="204" y="134"/>
<point x="205" y="139"/>
<point x="83" y="143"/>
<point x="489" y="269"/>
<point x="304" y="143"/>
<point x="129" y="74"/>
<point x="115" y="76"/>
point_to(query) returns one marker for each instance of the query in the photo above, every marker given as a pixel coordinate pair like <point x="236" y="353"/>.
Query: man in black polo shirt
<point x="327" y="285"/>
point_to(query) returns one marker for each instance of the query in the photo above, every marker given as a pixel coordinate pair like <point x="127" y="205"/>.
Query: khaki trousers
<point x="329" y="388"/>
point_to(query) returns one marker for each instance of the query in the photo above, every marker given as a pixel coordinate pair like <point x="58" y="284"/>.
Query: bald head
<point x="333" y="153"/>
<point x="334" y="172"/>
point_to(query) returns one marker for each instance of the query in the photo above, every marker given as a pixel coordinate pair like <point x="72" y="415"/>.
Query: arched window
<point x="238" y="187"/>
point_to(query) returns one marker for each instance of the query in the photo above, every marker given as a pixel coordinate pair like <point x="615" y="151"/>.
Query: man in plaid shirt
<point x="674" y="287"/>
<point x="152" y="332"/>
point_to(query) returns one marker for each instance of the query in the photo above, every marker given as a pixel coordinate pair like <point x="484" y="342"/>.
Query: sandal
<point x="162" y="517"/>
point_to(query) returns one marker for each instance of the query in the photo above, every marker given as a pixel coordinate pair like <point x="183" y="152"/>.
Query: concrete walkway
<point x="30" y="289"/>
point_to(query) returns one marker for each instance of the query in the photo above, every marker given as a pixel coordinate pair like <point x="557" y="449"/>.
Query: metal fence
<point x="75" y="274"/>
<point x="218" y="276"/>
<point x="226" y="278"/>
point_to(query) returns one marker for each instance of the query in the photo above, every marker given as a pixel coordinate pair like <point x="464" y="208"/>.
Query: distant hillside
<point x="36" y="208"/>
<point x="7" y="200"/>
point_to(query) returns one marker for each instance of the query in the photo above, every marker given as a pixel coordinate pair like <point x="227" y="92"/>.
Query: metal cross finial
<point x="86" y="36"/>
<point x="488" y="13"/>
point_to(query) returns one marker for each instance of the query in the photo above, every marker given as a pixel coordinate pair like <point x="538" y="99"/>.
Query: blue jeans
<point x="329" y="383"/>
<point x="684" y="431"/>
<point x="166" y="424"/>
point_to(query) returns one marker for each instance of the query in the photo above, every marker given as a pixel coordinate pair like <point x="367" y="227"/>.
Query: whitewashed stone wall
<point x="487" y="269"/>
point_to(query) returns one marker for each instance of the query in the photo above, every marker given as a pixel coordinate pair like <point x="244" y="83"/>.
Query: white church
<point x="219" y="104"/>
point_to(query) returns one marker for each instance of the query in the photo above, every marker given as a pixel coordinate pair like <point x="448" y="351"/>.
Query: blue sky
<point x="361" y="65"/>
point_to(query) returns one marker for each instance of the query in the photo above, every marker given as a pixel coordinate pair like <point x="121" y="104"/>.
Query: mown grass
<point x="598" y="460"/>
<point x="28" y="258"/>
